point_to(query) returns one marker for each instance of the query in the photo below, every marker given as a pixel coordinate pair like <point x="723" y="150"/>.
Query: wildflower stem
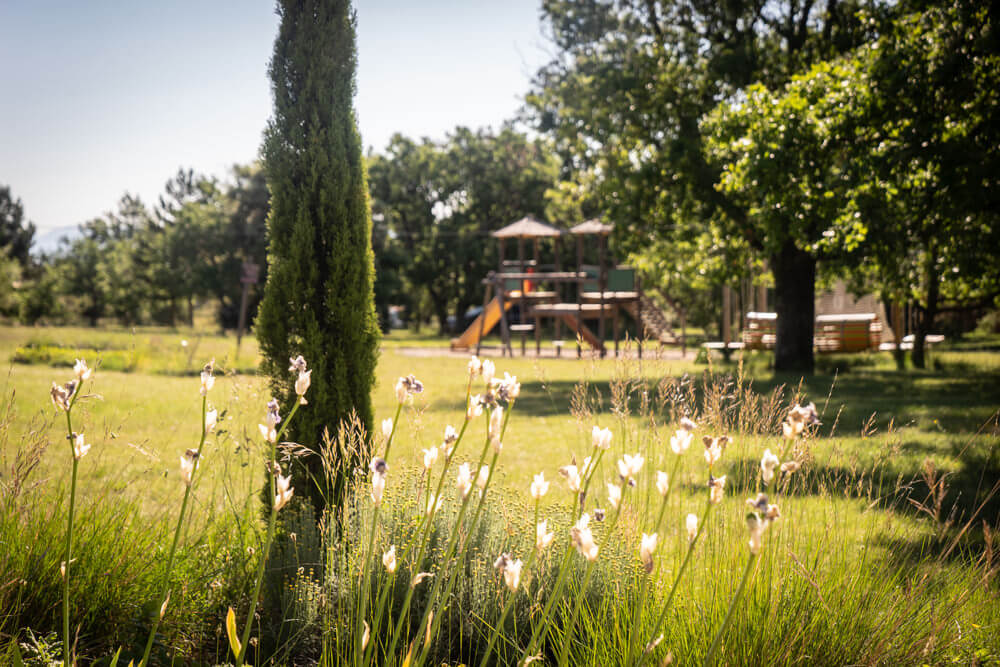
<point x="710" y="656"/>
<point x="363" y="600"/>
<point x="510" y="602"/>
<point x="449" y="553"/>
<point x="702" y="527"/>
<point x="272" y="520"/>
<point x="428" y="523"/>
<point x="69" y="539"/>
<point x="645" y="581"/>
<point x="570" y="629"/>
<point x="173" y="546"/>
<point x="564" y="568"/>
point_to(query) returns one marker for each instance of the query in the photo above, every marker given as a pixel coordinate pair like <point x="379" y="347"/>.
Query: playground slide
<point x="492" y="314"/>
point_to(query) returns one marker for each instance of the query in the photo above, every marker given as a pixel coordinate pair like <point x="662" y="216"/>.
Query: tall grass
<point x="866" y="564"/>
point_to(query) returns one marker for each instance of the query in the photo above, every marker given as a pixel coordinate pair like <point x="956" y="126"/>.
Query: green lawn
<point x="862" y="501"/>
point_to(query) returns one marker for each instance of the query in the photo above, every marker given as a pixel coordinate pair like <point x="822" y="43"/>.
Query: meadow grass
<point x="878" y="557"/>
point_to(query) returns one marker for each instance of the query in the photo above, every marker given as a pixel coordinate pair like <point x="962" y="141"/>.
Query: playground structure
<point x="600" y="292"/>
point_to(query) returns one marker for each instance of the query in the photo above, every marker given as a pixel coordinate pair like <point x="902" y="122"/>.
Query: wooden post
<point x="641" y="330"/>
<point x="684" y="338"/>
<point x="727" y="307"/>
<point x="522" y="316"/>
<point x="504" y="331"/>
<point x="538" y="328"/>
<point x="482" y="316"/>
<point x="602" y="282"/>
<point x="559" y="293"/>
<point x="579" y="288"/>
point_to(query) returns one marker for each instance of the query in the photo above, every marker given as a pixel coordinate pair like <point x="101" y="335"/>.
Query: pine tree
<point x="318" y="300"/>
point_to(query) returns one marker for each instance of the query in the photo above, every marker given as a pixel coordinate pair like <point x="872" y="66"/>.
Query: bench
<point x="855" y="332"/>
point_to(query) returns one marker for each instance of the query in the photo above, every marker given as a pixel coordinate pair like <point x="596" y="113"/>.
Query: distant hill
<point x="47" y="242"/>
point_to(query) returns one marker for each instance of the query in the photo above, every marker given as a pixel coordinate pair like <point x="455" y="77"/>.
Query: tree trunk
<point x="925" y="313"/>
<point x="795" y="293"/>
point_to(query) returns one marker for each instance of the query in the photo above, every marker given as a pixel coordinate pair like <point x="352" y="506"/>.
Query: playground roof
<point x="593" y="226"/>
<point x="527" y="228"/>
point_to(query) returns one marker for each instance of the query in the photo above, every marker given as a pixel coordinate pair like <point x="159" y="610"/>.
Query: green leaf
<point x="234" y="640"/>
<point x="17" y="655"/>
<point x="114" y="658"/>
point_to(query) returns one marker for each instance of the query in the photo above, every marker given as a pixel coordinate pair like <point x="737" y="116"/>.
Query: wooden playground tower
<point x="599" y="292"/>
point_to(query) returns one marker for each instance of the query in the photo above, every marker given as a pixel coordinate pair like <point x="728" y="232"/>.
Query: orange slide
<point x="492" y="314"/>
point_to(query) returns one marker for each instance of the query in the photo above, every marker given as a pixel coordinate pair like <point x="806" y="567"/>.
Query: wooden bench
<point x="854" y="332"/>
<point x="759" y="332"/>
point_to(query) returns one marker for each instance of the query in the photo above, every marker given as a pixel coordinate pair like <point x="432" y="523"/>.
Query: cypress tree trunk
<point x="318" y="300"/>
<point x="795" y="293"/>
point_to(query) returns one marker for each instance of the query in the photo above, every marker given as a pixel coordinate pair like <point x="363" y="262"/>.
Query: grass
<point x="867" y="564"/>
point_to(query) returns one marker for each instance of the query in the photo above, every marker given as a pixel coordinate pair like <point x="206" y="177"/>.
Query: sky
<point x="101" y="98"/>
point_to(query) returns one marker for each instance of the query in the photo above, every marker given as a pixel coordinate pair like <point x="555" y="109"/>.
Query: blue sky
<point x="98" y="98"/>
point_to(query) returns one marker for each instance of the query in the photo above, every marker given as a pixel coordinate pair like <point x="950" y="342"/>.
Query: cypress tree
<point x="318" y="300"/>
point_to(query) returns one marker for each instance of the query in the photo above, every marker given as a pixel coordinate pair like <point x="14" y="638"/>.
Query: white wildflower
<point x="614" y="495"/>
<point x="539" y="487"/>
<point x="284" y="492"/>
<point x="389" y="560"/>
<point x="646" y="548"/>
<point x="543" y="538"/>
<point x="80" y="448"/>
<point x="601" y="438"/>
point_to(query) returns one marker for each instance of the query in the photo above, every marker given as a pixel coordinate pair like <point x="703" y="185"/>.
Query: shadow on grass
<point x="935" y="402"/>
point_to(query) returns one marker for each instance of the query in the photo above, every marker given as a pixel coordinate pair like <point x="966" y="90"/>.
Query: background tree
<point x="16" y="234"/>
<point x="926" y="160"/>
<point x="784" y="165"/>
<point x="441" y="201"/>
<point x="318" y="298"/>
<point x="628" y="90"/>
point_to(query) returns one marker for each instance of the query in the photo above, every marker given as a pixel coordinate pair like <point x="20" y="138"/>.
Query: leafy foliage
<point x="318" y="299"/>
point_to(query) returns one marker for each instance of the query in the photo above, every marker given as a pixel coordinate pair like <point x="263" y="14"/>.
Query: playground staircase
<point x="654" y="322"/>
